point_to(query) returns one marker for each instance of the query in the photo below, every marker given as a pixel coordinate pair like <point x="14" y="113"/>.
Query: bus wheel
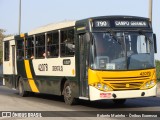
<point x="22" y="92"/>
<point x="67" y="92"/>
<point x="119" y="101"/>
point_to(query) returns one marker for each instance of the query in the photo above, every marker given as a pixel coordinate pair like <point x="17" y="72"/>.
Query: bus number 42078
<point x="43" y="67"/>
<point x="145" y="73"/>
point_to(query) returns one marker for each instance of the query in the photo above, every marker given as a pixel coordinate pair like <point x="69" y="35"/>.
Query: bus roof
<point x="120" y="17"/>
<point x="71" y="23"/>
<point x="8" y="38"/>
<point x="52" y="26"/>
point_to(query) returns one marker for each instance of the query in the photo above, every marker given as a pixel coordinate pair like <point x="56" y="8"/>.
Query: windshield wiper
<point x="143" y="33"/>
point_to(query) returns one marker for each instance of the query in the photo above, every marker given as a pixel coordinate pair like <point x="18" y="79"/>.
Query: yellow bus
<point x="99" y="58"/>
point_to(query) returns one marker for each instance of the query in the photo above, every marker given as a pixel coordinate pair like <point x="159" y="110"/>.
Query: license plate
<point x="105" y="95"/>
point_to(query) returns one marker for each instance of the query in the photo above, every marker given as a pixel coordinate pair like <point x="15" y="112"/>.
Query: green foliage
<point x="158" y="69"/>
<point x="2" y="31"/>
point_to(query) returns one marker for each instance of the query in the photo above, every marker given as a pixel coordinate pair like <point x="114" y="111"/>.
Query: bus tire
<point x="67" y="93"/>
<point x="119" y="101"/>
<point x="21" y="90"/>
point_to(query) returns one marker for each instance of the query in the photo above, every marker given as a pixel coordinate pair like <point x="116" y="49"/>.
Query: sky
<point x="36" y="13"/>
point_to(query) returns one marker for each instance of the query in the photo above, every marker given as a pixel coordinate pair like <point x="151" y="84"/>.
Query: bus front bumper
<point x="96" y="94"/>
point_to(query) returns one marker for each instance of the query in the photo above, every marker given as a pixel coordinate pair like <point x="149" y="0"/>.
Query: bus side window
<point x="67" y="42"/>
<point x="30" y="48"/>
<point x="40" y="46"/>
<point x="6" y="51"/>
<point x="53" y="44"/>
<point x="20" y="49"/>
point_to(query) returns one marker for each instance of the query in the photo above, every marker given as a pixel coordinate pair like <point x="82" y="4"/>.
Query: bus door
<point x="83" y="65"/>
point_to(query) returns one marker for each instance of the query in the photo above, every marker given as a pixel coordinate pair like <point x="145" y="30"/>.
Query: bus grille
<point x="125" y="83"/>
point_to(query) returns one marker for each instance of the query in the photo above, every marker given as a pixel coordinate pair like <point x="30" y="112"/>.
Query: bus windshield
<point x="122" y="51"/>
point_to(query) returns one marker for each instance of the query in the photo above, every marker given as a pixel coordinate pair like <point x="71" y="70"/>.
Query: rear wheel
<point x="22" y="92"/>
<point x="119" y="101"/>
<point x="68" y="94"/>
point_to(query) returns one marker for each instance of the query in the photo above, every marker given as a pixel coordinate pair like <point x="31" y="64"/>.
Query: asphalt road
<point x="11" y="101"/>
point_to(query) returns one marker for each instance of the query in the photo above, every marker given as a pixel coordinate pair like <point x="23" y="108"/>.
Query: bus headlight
<point x="102" y="87"/>
<point x="105" y="87"/>
<point x="99" y="85"/>
<point x="149" y="84"/>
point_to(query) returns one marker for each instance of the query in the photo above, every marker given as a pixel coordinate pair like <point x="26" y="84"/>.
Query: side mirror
<point x="155" y="43"/>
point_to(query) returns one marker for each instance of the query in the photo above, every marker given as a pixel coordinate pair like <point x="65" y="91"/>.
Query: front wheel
<point x="22" y="92"/>
<point x="68" y="94"/>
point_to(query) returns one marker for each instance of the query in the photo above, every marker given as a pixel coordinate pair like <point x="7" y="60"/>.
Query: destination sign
<point x="131" y="24"/>
<point x="101" y="23"/>
<point x="120" y="23"/>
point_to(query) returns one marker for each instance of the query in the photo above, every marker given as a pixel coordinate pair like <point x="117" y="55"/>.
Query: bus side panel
<point x="46" y="84"/>
<point x="9" y="80"/>
<point x="21" y="71"/>
<point x="50" y="84"/>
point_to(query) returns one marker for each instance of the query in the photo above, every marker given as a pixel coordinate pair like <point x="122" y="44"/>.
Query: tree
<point x="2" y="31"/>
<point x="2" y="35"/>
<point x="158" y="69"/>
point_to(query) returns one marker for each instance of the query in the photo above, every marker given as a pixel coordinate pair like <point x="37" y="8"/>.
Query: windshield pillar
<point x="125" y="50"/>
